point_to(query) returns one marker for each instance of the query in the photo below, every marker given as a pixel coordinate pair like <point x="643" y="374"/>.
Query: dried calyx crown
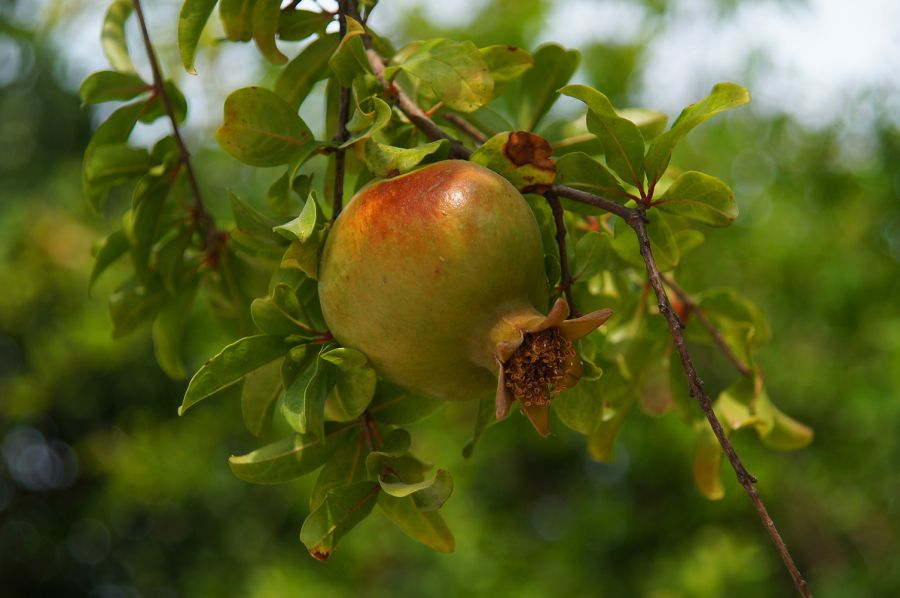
<point x="542" y="362"/>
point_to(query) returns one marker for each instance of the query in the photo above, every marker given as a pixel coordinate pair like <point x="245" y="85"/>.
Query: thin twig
<point x="202" y="217"/>
<point x="566" y="279"/>
<point x="466" y="127"/>
<point x="343" y="116"/>
<point x="636" y="218"/>
<point x="704" y="320"/>
<point x="746" y="480"/>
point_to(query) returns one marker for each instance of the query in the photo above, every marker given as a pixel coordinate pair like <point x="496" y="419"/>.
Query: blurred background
<point x="104" y="491"/>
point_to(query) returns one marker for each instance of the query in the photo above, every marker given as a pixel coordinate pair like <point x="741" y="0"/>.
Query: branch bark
<point x="566" y="279"/>
<point x="202" y="217"/>
<point x="638" y="224"/>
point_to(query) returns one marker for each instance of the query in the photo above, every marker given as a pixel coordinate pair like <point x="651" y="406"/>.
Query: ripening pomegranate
<point x="438" y="277"/>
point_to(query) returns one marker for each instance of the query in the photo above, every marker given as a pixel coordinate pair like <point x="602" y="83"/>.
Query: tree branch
<point x="566" y="279"/>
<point x="202" y="217"/>
<point x="714" y="332"/>
<point x="695" y="384"/>
<point x="465" y="127"/>
<point x="636" y="218"/>
<point x="342" y="134"/>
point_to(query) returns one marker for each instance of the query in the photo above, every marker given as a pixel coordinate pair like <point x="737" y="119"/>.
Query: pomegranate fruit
<point x="438" y="277"/>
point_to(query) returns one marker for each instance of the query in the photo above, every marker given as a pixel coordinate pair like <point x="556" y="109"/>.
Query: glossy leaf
<point x="112" y="36"/>
<point x="258" y="396"/>
<point x="591" y="255"/>
<point x="346" y="466"/>
<point x="237" y="19"/>
<point x="397" y="487"/>
<point x="724" y="96"/>
<point x="433" y="496"/>
<point x="364" y="124"/>
<point x="297" y="25"/>
<point x="601" y="443"/>
<point x="455" y="72"/>
<point x="191" y="21"/>
<point x="168" y="332"/>
<point x="310" y="66"/>
<point x="389" y="161"/>
<point x="113" y="164"/>
<point x="700" y="197"/>
<point x="266" y="14"/>
<point x="553" y="67"/>
<point x="302" y="227"/>
<point x="427" y="527"/>
<point x="580" y="171"/>
<point x="581" y="407"/>
<point x="395" y="405"/>
<point x="349" y="59"/>
<point x="111" y="86"/>
<point x="112" y="248"/>
<point x="286" y="459"/>
<point x="343" y="508"/>
<point x="148" y="199"/>
<point x="231" y="364"/>
<point x="623" y="144"/>
<point x="262" y="129"/>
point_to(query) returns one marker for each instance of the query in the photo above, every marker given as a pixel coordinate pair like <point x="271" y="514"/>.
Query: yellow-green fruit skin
<point x="426" y="272"/>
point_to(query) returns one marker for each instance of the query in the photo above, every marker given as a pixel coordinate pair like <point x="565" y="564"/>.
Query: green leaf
<point x="303" y="256"/>
<point x="506" y="63"/>
<point x="707" y="465"/>
<point x="231" y="364"/>
<point x="237" y="19"/>
<point x="662" y="243"/>
<point x="113" y="247"/>
<point x="484" y="417"/>
<point x="168" y="332"/>
<point x="581" y="407"/>
<point x="553" y="67"/>
<point x="111" y="86"/>
<point x="297" y="25"/>
<point x="591" y="255"/>
<point x="155" y="108"/>
<point x="112" y="36"/>
<point x="266" y="14"/>
<point x="349" y="60"/>
<point x="302" y="227"/>
<point x="344" y="507"/>
<point x="724" y="96"/>
<point x="258" y="396"/>
<point x="149" y="196"/>
<point x="304" y="401"/>
<point x="254" y="230"/>
<point x="601" y="443"/>
<point x="355" y="384"/>
<point x="700" y="197"/>
<point x="521" y="157"/>
<point x="133" y="304"/>
<point x="261" y="129"/>
<point x="287" y="459"/>
<point x="297" y="79"/>
<point x="114" y="164"/>
<point x="170" y="262"/>
<point x="786" y="434"/>
<point x="427" y="527"/>
<point x="455" y="72"/>
<point x="388" y="161"/>
<point x="580" y="171"/>
<point x="346" y="466"/>
<point x="650" y="123"/>
<point x="397" y="406"/>
<point x="364" y="124"/>
<point x="623" y="144"/>
<point x="191" y="21"/>
<point x="435" y="491"/>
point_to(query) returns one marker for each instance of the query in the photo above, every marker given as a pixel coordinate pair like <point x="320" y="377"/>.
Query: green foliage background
<point x="103" y="491"/>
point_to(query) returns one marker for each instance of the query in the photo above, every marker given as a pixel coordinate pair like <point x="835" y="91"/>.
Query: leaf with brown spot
<point x="522" y="157"/>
